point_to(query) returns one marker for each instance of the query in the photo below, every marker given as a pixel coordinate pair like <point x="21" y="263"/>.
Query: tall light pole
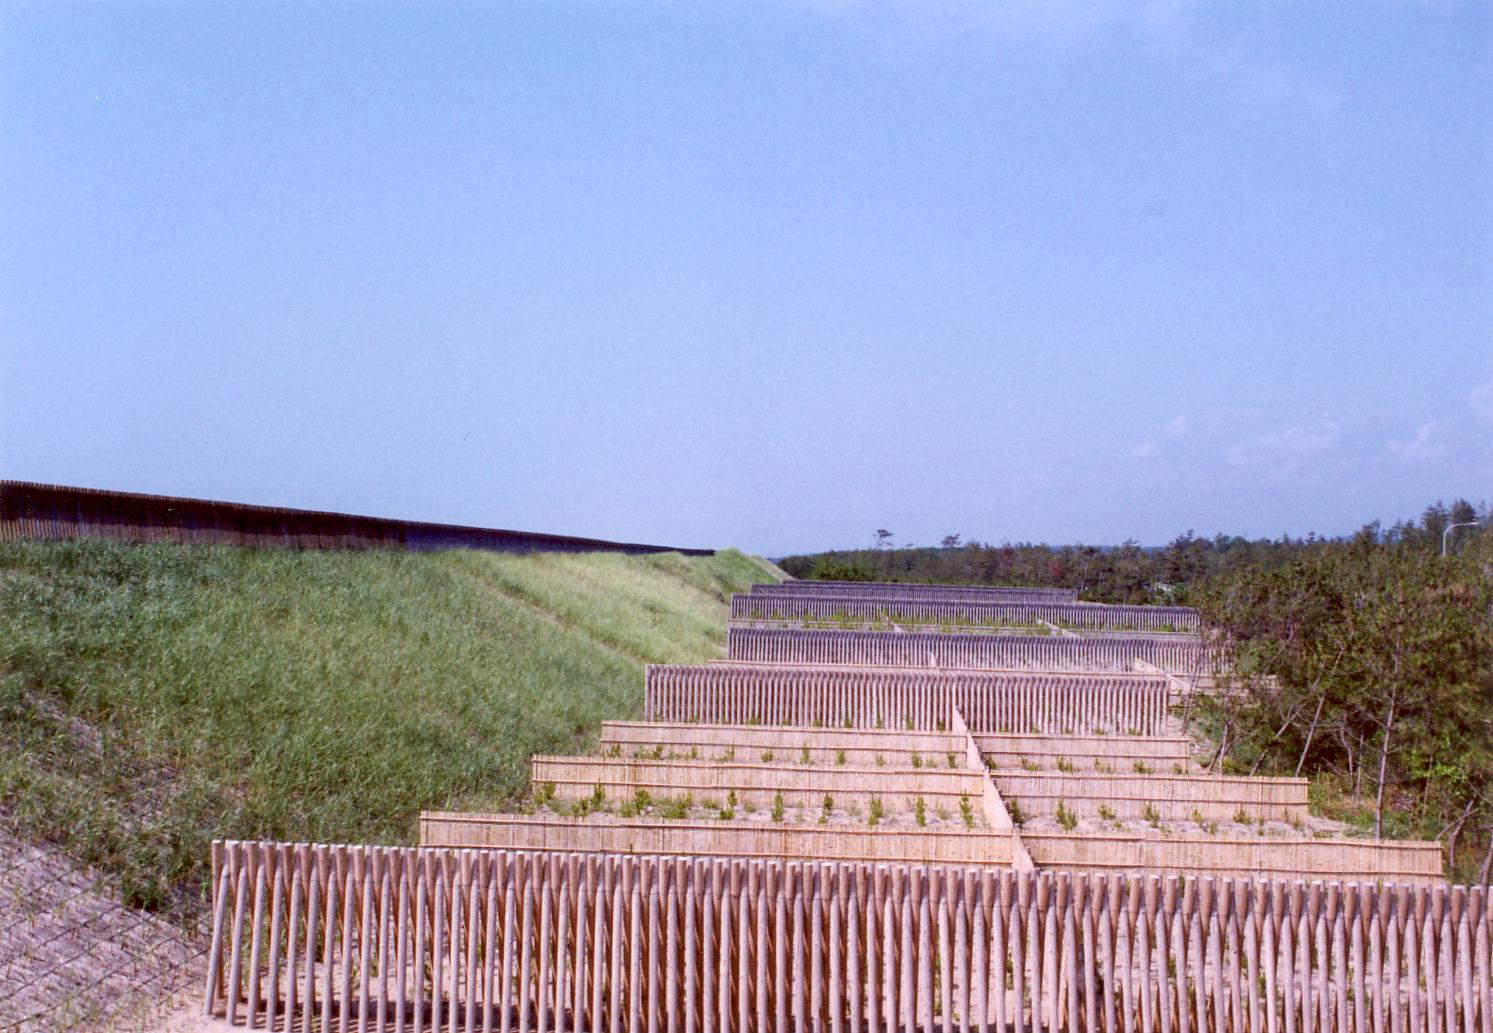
<point x="1452" y="527"/>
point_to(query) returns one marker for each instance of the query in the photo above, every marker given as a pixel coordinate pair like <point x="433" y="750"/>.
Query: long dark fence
<point x="376" y="938"/>
<point x="935" y="649"/>
<point x="52" y="512"/>
<point x="915" y="610"/>
<point x="990" y="701"/>
<point x="915" y="590"/>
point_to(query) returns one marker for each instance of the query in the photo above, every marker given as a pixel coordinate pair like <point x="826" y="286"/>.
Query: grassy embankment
<point x="155" y="697"/>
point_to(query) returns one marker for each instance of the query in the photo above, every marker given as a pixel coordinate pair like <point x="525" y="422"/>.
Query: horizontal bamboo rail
<point x="371" y="938"/>
<point x="1169" y="797"/>
<point x="1105" y="753"/>
<point x="914" y="590"/>
<point x="760" y="840"/>
<point x="902" y="627"/>
<point x="959" y="651"/>
<point x="1041" y="628"/>
<point x="1164" y="797"/>
<point x="857" y="748"/>
<point x="915" y="610"/>
<point x="1370" y="860"/>
<point x="757" y="785"/>
<point x="1133" y="674"/>
<point x="991" y="701"/>
<point x="896" y="747"/>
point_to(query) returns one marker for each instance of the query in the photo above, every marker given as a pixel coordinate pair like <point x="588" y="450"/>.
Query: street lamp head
<point x="1452" y="527"/>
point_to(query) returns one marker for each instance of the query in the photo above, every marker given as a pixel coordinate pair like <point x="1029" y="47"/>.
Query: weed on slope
<point x="155" y="697"/>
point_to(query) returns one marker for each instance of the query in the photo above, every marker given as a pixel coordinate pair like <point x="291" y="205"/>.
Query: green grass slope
<point x="155" y="697"/>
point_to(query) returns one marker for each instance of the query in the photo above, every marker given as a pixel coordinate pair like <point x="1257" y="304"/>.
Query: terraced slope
<point x="153" y="698"/>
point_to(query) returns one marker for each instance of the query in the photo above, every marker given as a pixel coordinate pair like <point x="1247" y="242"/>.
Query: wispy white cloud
<point x="1063" y="22"/>
<point x="1254" y="79"/>
<point x="1215" y="55"/>
<point x="1289" y="450"/>
<point x="1178" y="426"/>
<point x="1482" y="401"/>
<point x="1427" y="443"/>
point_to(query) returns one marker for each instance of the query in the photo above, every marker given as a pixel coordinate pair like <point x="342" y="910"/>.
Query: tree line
<point x="1125" y="573"/>
<point x="1364" y="662"/>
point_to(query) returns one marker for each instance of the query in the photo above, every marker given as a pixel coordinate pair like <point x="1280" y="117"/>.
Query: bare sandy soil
<point x="72" y="957"/>
<point x="179" y="1013"/>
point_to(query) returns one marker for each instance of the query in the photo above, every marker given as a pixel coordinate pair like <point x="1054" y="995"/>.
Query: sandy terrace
<point x="1321" y="828"/>
<point x="896" y="814"/>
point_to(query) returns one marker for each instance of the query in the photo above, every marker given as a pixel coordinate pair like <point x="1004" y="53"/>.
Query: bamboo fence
<point x="917" y="610"/>
<point x="51" y="512"/>
<point x="893" y="841"/>
<point x="919" y="699"/>
<point x="905" y="590"/>
<point x="953" y="650"/>
<point x="321" y="938"/>
<point x="824" y="745"/>
<point x="1169" y="797"/>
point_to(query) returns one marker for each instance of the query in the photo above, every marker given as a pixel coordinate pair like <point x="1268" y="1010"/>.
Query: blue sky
<point x="771" y="275"/>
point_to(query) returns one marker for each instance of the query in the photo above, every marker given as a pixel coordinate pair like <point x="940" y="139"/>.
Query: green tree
<point x="1369" y="662"/>
<point x="825" y="569"/>
<point x="1433" y="521"/>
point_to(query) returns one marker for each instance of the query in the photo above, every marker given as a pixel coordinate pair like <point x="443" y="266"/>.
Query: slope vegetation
<point x="154" y="697"/>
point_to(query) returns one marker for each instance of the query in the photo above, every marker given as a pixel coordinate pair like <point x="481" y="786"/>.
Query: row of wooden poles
<point x="40" y="512"/>
<point x="935" y="649"/>
<point x="317" y="938"/>
<point x="915" y="610"/>
<point x="1023" y="704"/>
<point x="915" y="590"/>
<point x="43" y="512"/>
